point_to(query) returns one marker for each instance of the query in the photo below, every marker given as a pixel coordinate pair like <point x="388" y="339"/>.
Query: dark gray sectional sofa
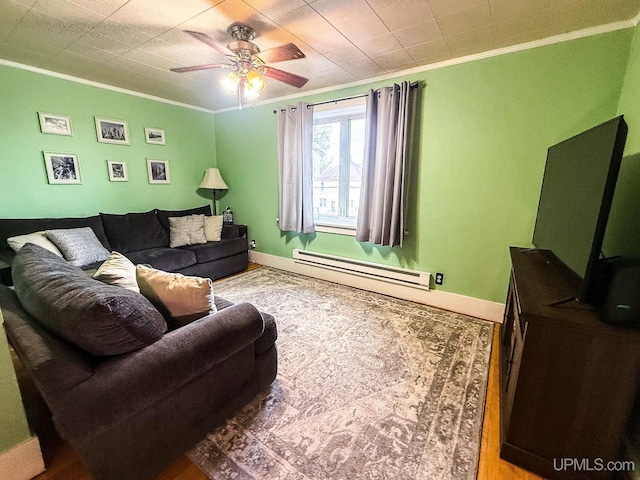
<point x="143" y="238"/>
<point x="129" y="394"/>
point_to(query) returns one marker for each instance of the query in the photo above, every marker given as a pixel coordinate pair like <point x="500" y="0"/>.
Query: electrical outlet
<point x="252" y="244"/>
<point x="439" y="278"/>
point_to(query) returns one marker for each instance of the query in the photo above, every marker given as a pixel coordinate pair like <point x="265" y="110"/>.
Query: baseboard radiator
<point x="376" y="271"/>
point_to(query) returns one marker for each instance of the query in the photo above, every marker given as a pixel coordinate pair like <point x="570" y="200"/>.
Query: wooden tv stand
<point x="568" y="381"/>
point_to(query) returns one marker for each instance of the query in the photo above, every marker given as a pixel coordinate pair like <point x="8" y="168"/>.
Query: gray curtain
<point x="381" y="213"/>
<point x="295" y="168"/>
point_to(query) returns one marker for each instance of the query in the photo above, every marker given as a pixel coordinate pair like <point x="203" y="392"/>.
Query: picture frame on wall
<point x="112" y="131"/>
<point x="118" y="171"/>
<point x="55" y="124"/>
<point x="154" y="136"/>
<point x="62" y="168"/>
<point x="158" y="171"/>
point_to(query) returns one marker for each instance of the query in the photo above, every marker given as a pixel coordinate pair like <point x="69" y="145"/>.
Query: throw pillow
<point x="181" y="298"/>
<point x="118" y="270"/>
<point x="98" y="318"/>
<point x="164" y="215"/>
<point x="80" y="246"/>
<point x="37" y="238"/>
<point x="187" y="230"/>
<point x="132" y="232"/>
<point x="213" y="228"/>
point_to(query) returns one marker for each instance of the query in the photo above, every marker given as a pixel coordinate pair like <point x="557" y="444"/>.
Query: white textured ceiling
<point x="132" y="44"/>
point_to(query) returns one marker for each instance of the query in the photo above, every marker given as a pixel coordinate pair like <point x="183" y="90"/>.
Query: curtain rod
<point x="413" y="85"/>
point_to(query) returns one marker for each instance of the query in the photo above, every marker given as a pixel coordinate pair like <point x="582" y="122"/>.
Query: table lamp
<point x="213" y="180"/>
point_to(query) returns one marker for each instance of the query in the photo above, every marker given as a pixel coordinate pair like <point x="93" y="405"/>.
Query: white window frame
<point x="342" y="109"/>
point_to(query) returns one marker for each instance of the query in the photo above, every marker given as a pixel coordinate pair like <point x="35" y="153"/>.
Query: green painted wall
<point x="25" y="191"/>
<point x="623" y="230"/>
<point x="629" y="105"/>
<point x="485" y="127"/>
<point x="13" y="423"/>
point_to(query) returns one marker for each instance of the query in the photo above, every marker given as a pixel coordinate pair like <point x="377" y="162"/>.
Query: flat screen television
<point x="577" y="189"/>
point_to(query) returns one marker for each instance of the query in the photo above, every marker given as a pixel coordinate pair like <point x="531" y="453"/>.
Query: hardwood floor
<point x="491" y="466"/>
<point x="63" y="464"/>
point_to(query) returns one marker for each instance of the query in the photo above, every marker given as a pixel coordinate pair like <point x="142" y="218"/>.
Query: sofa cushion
<point x="181" y="298"/>
<point x="134" y="231"/>
<point x="186" y="230"/>
<point x="118" y="270"/>
<point x="213" y="228"/>
<point x="10" y="227"/>
<point x="210" y="251"/>
<point x="56" y="366"/>
<point x="38" y="238"/>
<point x="80" y="246"/>
<point x="164" y="258"/>
<point x="164" y="215"/>
<point x="98" y="318"/>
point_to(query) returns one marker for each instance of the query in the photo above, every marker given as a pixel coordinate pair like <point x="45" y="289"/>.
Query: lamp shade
<point x="213" y="180"/>
<point x="230" y="82"/>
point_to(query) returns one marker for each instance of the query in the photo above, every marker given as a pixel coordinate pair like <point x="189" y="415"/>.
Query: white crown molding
<point x="104" y="86"/>
<point x="587" y="32"/>
<point x="474" y="307"/>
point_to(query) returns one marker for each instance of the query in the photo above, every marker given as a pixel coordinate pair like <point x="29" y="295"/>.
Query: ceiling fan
<point x="248" y="63"/>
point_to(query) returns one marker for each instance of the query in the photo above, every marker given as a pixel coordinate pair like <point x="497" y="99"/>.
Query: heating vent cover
<point x="397" y="275"/>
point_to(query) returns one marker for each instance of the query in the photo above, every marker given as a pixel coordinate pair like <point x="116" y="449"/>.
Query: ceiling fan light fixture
<point x="247" y="63"/>
<point x="254" y="85"/>
<point x="230" y="82"/>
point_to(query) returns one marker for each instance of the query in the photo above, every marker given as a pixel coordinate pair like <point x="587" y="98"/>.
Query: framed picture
<point x="62" y="167"/>
<point x="158" y="171"/>
<point x="56" y="124"/>
<point x="112" y="131"/>
<point x="154" y="135"/>
<point x="118" y="171"/>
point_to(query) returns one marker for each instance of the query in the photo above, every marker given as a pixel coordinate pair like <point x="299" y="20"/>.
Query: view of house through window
<point x="338" y="150"/>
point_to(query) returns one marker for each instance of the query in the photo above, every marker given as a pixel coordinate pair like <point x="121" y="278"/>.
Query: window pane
<point x="338" y="149"/>
<point x="326" y="162"/>
<point x="356" y="155"/>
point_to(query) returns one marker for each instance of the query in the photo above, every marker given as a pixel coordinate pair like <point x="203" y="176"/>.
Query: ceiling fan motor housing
<point x="240" y="46"/>
<point x="239" y="31"/>
<point x="243" y="56"/>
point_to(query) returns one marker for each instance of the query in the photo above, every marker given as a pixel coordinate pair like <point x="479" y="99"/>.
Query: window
<point x="338" y="150"/>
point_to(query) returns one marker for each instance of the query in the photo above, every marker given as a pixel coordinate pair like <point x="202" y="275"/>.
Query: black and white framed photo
<point x="62" y="168"/>
<point x="112" y="131"/>
<point x="154" y="135"/>
<point x="158" y="171"/>
<point x="118" y="171"/>
<point x="55" y="124"/>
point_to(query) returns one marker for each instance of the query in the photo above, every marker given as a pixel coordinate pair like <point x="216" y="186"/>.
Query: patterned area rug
<point x="368" y="387"/>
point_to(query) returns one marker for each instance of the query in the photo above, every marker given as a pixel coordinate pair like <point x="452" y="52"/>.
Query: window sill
<point x="351" y="231"/>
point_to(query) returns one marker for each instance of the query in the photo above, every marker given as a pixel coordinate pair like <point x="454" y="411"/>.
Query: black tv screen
<point x="577" y="189"/>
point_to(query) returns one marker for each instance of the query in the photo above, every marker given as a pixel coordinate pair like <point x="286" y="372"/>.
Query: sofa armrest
<point x="124" y="385"/>
<point x="230" y="230"/>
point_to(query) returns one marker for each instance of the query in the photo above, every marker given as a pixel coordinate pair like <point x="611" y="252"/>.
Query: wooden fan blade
<point x="286" y="77"/>
<point x="280" y="54"/>
<point x="204" y="38"/>
<point x="200" y="67"/>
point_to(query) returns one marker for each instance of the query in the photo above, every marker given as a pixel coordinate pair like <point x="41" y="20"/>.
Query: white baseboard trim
<point x="22" y="462"/>
<point x="453" y="302"/>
